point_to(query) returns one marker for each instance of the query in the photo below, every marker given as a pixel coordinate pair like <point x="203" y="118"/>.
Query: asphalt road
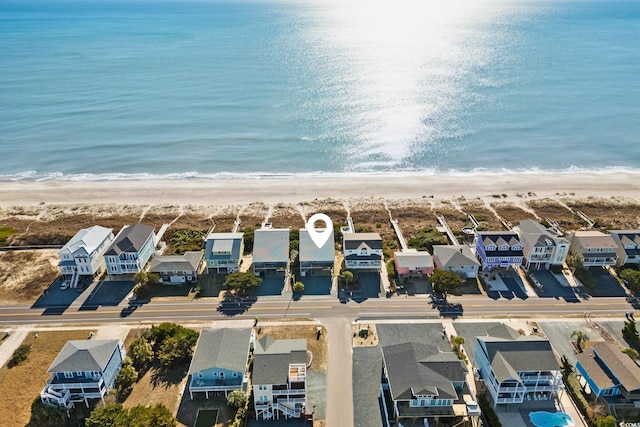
<point x="317" y="308"/>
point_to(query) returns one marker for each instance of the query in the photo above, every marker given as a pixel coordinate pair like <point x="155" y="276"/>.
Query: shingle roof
<point x="87" y="238"/>
<point x="187" y="261"/>
<point x="455" y="255"/>
<point x="271" y="245"/>
<point x="226" y="348"/>
<point x="594" y="239"/>
<point x="533" y="232"/>
<point x="272" y="359"/>
<point x="130" y="239"/>
<point x="498" y="238"/>
<point x="354" y="240"/>
<point x="419" y="369"/>
<point x="624" y="370"/>
<point x="310" y="252"/>
<point x="84" y="355"/>
<point x="414" y="260"/>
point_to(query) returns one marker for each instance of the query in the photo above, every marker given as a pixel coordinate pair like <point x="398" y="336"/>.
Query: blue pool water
<point x="549" y="419"/>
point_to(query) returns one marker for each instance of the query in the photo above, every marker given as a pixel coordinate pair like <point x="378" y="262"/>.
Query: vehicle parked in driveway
<point x="65" y="285"/>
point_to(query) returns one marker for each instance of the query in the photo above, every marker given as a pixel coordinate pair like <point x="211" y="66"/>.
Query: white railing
<point x="509" y="400"/>
<point x="87" y="384"/>
<point x="288" y="392"/>
<point x="510" y="389"/>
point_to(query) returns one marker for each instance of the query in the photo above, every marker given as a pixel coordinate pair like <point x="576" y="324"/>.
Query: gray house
<point x="628" y="242"/>
<point x="270" y="251"/>
<point x="541" y="247"/>
<point x="314" y="260"/>
<point x="175" y="269"/>
<point x="219" y="363"/>
<point x="223" y="252"/>
<point x="456" y="258"/>
<point x="131" y="249"/>
<point x="83" y="370"/>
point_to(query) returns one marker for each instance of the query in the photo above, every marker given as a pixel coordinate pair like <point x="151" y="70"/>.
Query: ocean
<point x="181" y="89"/>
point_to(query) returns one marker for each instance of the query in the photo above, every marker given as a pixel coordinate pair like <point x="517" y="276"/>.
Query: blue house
<point x="83" y="370"/>
<point x="610" y="374"/>
<point x="498" y="249"/>
<point x="131" y="250"/>
<point x="219" y="363"/>
<point x="223" y="252"/>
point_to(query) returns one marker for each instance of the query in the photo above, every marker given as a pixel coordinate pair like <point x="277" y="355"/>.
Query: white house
<point x="516" y="367"/>
<point x="178" y="268"/>
<point x="220" y="361"/>
<point x="628" y="245"/>
<point x="541" y="247"/>
<point x="597" y="249"/>
<point x="83" y="255"/>
<point x="362" y="251"/>
<point x="131" y="249"/>
<point x="456" y="258"/>
<point x="279" y="378"/>
<point x="83" y="370"/>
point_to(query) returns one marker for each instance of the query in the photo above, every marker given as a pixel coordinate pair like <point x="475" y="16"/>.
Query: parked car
<point x="65" y="285"/>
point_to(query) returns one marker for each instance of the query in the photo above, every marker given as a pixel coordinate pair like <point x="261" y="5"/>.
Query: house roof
<point x="272" y="358"/>
<point x="627" y="237"/>
<point x="537" y="235"/>
<point x="223" y="242"/>
<point x="271" y="245"/>
<point x="455" y="256"/>
<point x="498" y="238"/>
<point x="130" y="239"/>
<point x="354" y="240"/>
<point x="625" y="371"/>
<point x="413" y="260"/>
<point x="226" y="348"/>
<point x="594" y="239"/>
<point x="416" y="369"/>
<point x="88" y="239"/>
<point x="185" y="262"/>
<point x="509" y="353"/>
<point x="84" y="355"/>
<point x="310" y="252"/>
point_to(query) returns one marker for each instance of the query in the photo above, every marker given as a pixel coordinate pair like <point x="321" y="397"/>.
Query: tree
<point x="580" y="338"/>
<point x="43" y="415"/>
<point x="236" y="399"/>
<point x="140" y="353"/>
<point x="146" y="416"/>
<point x="347" y="276"/>
<point x="444" y="281"/>
<point x="426" y="238"/>
<point x="125" y="378"/>
<point x="248" y="240"/>
<point x="104" y="416"/>
<point x="631" y="353"/>
<point x="145" y="281"/>
<point x="298" y="287"/>
<point x="631" y="278"/>
<point x="566" y="368"/>
<point x="19" y="355"/>
<point x="242" y="282"/>
<point x="630" y="334"/>
<point x="575" y="262"/>
<point x="172" y="343"/>
<point x="608" y="421"/>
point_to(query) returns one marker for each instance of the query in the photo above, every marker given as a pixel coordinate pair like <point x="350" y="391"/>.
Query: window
<point x="68" y="374"/>
<point x="200" y="375"/>
<point x="235" y="374"/>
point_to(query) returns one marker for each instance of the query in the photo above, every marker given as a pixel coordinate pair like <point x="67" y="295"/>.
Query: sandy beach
<point x="296" y="190"/>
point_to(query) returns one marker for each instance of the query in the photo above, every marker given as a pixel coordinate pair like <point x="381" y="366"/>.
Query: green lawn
<point x="206" y="418"/>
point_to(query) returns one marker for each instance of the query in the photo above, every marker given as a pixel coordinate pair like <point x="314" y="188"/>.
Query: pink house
<point x="412" y="263"/>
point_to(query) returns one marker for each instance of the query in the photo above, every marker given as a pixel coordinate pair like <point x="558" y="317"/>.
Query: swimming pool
<point x="551" y="419"/>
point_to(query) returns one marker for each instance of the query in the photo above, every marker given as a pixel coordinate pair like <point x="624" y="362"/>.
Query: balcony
<point x="74" y="383"/>
<point x="503" y="400"/>
<point x="289" y="392"/>
<point x="404" y="410"/>
<point x="297" y="374"/>
<point x="198" y="384"/>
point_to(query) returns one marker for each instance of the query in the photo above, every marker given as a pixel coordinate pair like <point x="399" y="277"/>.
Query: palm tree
<point x="580" y="338"/>
<point x="347" y="276"/>
<point x="236" y="399"/>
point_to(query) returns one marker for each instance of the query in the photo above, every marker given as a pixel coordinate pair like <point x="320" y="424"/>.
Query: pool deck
<point x="520" y="417"/>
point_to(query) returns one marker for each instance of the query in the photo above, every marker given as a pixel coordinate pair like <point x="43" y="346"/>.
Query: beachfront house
<point x="314" y="260"/>
<point x="223" y="252"/>
<point x="516" y="367"/>
<point x="424" y="384"/>
<point x="456" y="258"/>
<point x="541" y="247"/>
<point x="270" y="251"/>
<point x="131" y="249"/>
<point x="83" y="255"/>
<point x="411" y="263"/>
<point x="83" y="370"/>
<point x="627" y="245"/>
<point x="498" y="249"/>
<point x="279" y="378"/>
<point x="362" y="251"/>
<point x="176" y="269"/>
<point x="220" y="361"/>
<point x="610" y="376"/>
<point x="596" y="249"/>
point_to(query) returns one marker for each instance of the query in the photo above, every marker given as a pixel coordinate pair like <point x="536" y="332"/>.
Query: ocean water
<point x="111" y="89"/>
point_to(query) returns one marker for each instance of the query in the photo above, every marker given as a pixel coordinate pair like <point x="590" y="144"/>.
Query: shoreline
<point x="198" y="192"/>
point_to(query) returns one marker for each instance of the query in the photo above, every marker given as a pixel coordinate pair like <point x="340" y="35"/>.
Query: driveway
<point x="608" y="286"/>
<point x="369" y="286"/>
<point x="551" y="287"/>
<point x="107" y="293"/>
<point x="270" y="286"/>
<point x="339" y="406"/>
<point x="316" y="285"/>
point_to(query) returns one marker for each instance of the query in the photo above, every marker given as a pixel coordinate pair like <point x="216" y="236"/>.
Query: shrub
<point x="19" y="355"/>
<point x="488" y="412"/>
<point x="172" y="343"/>
<point x="43" y="415"/>
<point x="298" y="287"/>
<point x="631" y="278"/>
<point x="236" y="399"/>
<point x="140" y="353"/>
<point x="184" y="240"/>
<point x="242" y="282"/>
<point x="574" y="388"/>
<point x="125" y="379"/>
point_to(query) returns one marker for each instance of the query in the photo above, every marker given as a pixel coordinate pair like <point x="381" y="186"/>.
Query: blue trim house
<point x="83" y="370"/>
<point x="220" y="361"/>
<point x="223" y="252"/>
<point x="131" y="250"/>
<point x="609" y="374"/>
<point x="498" y="249"/>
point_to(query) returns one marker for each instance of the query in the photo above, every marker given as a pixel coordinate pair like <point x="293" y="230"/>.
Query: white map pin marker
<point x="319" y="237"/>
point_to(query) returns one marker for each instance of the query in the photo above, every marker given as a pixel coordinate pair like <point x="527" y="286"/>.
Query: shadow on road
<point x="235" y="305"/>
